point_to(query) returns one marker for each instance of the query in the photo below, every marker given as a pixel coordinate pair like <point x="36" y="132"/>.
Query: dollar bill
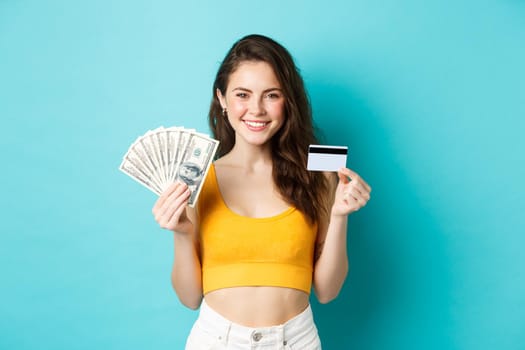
<point x="138" y="175"/>
<point x="154" y="139"/>
<point x="149" y="147"/>
<point x="184" y="137"/>
<point x="173" y="136"/>
<point x="165" y="155"/>
<point x="195" y="163"/>
<point x="142" y="157"/>
<point x="163" y="150"/>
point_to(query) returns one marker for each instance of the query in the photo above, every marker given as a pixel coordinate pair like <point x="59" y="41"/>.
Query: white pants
<point x="212" y="331"/>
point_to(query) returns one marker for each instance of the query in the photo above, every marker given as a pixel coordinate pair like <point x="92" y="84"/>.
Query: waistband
<point x="228" y="331"/>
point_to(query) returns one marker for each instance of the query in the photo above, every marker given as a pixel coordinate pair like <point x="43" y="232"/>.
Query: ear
<point x="222" y="99"/>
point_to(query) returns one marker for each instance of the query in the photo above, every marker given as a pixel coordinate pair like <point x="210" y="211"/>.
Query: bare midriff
<point x="258" y="306"/>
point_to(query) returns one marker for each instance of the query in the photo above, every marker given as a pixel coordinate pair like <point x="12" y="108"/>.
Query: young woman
<point x="265" y="230"/>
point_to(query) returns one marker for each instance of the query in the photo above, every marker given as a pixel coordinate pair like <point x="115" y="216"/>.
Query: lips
<point x="255" y="125"/>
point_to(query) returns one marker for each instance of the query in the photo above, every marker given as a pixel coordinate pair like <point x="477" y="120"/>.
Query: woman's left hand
<point x="352" y="193"/>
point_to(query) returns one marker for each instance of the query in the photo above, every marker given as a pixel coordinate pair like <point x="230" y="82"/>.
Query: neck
<point x="250" y="156"/>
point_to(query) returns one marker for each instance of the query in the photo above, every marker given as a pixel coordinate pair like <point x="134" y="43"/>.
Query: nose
<point x="256" y="106"/>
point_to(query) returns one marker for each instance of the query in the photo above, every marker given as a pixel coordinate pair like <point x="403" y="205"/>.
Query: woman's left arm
<point x="331" y="259"/>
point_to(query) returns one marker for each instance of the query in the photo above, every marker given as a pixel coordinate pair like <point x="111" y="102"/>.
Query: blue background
<point x="428" y="95"/>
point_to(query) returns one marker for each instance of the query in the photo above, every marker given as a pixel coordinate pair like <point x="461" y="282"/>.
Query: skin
<point x="255" y="109"/>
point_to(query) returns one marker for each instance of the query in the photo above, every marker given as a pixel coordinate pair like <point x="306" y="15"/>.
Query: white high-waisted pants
<point x="212" y="331"/>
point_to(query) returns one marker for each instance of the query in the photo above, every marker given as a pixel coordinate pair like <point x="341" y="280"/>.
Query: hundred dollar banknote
<point x="195" y="163"/>
<point x="165" y="155"/>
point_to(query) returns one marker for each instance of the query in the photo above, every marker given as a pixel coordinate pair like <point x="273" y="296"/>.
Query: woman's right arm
<point x="172" y="213"/>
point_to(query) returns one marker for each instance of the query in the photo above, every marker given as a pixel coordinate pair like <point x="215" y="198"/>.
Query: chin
<point x="258" y="142"/>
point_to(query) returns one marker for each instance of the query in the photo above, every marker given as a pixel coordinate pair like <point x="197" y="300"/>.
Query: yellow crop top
<point x="241" y="251"/>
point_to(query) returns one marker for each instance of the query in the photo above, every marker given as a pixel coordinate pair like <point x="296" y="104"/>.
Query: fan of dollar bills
<point x="165" y="155"/>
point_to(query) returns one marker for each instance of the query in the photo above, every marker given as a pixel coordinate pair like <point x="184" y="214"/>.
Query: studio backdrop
<point x="429" y="97"/>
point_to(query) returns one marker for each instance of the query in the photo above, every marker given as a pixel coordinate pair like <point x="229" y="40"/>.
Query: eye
<point x="273" y="95"/>
<point x="241" y="94"/>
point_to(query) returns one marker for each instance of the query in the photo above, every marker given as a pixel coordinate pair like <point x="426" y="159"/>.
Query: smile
<point x="252" y="125"/>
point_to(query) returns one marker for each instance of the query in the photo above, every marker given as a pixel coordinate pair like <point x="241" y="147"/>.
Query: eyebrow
<point x="240" y="88"/>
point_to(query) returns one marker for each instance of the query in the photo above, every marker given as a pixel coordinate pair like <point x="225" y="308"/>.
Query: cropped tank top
<point x="241" y="251"/>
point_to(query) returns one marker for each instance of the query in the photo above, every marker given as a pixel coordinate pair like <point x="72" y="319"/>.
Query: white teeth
<point x="255" y="124"/>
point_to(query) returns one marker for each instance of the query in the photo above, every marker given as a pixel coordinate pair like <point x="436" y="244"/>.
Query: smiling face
<point x="254" y="102"/>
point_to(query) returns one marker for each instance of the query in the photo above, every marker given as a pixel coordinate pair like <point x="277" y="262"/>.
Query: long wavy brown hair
<point x="309" y="192"/>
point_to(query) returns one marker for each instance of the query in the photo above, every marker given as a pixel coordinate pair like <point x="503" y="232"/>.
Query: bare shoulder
<point x="224" y="167"/>
<point x="223" y="161"/>
<point x="225" y="171"/>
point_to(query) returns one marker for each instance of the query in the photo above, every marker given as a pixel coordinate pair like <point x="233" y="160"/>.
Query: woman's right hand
<point x="170" y="209"/>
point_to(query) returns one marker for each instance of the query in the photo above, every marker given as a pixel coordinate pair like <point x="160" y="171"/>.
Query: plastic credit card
<point x="326" y="158"/>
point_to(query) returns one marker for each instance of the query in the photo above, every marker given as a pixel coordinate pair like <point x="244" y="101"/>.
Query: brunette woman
<point x="265" y="230"/>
